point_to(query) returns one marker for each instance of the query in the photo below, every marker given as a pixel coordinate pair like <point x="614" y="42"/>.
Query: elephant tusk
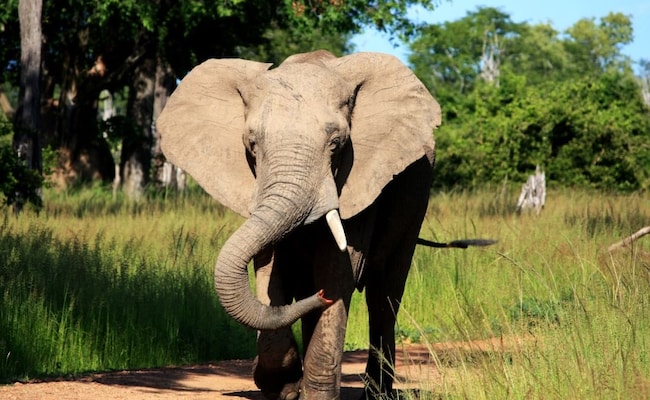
<point x="334" y="222"/>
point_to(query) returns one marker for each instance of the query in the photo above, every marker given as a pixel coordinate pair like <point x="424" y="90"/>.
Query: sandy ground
<point x="232" y="380"/>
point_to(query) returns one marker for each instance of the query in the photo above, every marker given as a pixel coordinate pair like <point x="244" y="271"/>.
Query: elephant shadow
<point x="347" y="393"/>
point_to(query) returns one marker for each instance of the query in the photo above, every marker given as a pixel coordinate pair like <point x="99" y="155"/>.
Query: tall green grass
<point x="94" y="283"/>
<point x="580" y="312"/>
<point x="97" y="283"/>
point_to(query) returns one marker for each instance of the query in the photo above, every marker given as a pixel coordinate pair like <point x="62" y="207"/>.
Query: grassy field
<point x="96" y="283"/>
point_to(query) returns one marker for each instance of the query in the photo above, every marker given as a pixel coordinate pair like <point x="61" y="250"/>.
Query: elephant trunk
<point x="284" y="206"/>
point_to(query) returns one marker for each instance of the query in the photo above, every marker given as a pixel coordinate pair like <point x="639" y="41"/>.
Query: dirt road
<point x="232" y="380"/>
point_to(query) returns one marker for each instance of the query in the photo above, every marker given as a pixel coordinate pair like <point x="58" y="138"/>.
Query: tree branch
<point x="628" y="240"/>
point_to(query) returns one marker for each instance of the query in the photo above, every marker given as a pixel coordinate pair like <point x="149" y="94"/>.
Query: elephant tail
<point x="458" y="244"/>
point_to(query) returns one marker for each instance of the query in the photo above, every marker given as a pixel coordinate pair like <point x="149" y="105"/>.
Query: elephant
<point x="330" y="160"/>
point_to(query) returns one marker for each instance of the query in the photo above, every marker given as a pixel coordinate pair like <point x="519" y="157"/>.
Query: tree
<point x="91" y="47"/>
<point x="567" y="103"/>
<point x="597" y="47"/>
<point x="539" y="54"/>
<point x="452" y="56"/>
<point x="27" y="119"/>
<point x="9" y="43"/>
<point x="644" y="81"/>
<point x="588" y="132"/>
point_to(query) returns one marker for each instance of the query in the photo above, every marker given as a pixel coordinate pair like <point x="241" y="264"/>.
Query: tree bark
<point x="27" y="123"/>
<point x="84" y="153"/>
<point x="165" y="173"/>
<point x="490" y="59"/>
<point x="137" y="150"/>
<point x="645" y="89"/>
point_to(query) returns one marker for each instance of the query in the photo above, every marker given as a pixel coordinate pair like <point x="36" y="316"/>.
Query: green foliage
<point x="598" y="45"/>
<point x="532" y="312"/>
<point x="6" y="131"/>
<point x="92" y="47"/>
<point x="539" y="54"/>
<point x="15" y="177"/>
<point x="282" y="43"/>
<point x="566" y="101"/>
<point x="7" y="12"/>
<point x="585" y="132"/>
<point x="9" y="45"/>
<point x="569" y="104"/>
<point x="351" y="15"/>
<point x="447" y="56"/>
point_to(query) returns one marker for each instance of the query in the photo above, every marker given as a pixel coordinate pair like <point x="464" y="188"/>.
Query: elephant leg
<point x="277" y="369"/>
<point x="325" y="334"/>
<point x="323" y="359"/>
<point x="402" y="208"/>
<point x="383" y="299"/>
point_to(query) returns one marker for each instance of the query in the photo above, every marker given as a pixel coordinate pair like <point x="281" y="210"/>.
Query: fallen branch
<point x="630" y="239"/>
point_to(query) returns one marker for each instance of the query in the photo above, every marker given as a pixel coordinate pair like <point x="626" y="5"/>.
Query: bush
<point x="18" y="183"/>
<point x="589" y="133"/>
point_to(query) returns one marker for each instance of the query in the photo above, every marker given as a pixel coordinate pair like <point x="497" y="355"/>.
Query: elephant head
<point x="290" y="145"/>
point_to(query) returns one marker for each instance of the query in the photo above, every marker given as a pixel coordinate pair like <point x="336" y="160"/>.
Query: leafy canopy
<point x="569" y="103"/>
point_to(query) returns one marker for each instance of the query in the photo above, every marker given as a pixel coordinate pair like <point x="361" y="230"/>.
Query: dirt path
<point x="232" y="380"/>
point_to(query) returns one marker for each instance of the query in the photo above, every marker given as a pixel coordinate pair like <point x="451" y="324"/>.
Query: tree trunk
<point x="137" y="150"/>
<point x="165" y="173"/>
<point x="109" y="111"/>
<point x="490" y="59"/>
<point x="84" y="154"/>
<point x="27" y="119"/>
<point x="645" y="89"/>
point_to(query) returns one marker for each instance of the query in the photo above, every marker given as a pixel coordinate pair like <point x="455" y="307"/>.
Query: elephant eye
<point x="336" y="143"/>
<point x="252" y="146"/>
<point x="337" y="136"/>
<point x="250" y="143"/>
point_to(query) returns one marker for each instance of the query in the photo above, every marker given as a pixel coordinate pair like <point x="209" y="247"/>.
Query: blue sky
<point x="561" y="14"/>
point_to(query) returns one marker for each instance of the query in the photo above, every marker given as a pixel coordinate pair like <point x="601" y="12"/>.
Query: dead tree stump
<point x="533" y="193"/>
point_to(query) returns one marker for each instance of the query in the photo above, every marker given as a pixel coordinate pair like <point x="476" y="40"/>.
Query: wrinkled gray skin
<point x="283" y="147"/>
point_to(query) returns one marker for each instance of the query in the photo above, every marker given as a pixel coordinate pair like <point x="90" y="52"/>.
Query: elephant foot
<point x="281" y="383"/>
<point x="290" y="391"/>
<point x="320" y="387"/>
<point x="306" y="394"/>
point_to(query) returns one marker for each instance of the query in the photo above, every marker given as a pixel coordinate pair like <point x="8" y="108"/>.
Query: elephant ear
<point x="391" y="126"/>
<point x="201" y="129"/>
